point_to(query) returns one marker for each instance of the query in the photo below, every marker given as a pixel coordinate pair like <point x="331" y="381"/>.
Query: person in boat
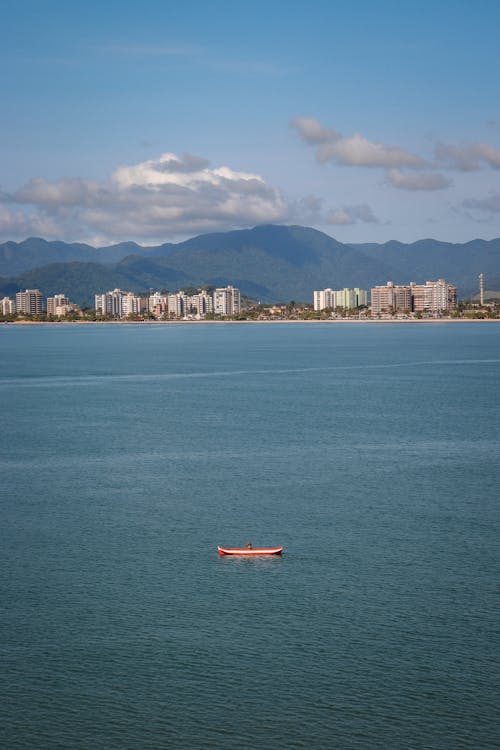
<point x="249" y="545"/>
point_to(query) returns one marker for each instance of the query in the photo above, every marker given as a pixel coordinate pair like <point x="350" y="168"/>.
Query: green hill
<point x="18" y="257"/>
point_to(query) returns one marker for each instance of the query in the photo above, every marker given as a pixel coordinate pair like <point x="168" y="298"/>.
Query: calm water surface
<point x="129" y="452"/>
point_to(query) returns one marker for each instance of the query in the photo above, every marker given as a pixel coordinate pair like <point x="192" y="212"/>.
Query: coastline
<point x="340" y="321"/>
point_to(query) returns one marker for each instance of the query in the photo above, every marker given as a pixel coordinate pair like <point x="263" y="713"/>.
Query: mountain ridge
<point x="271" y="262"/>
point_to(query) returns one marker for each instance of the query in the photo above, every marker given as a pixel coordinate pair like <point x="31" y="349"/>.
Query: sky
<point x="158" y="121"/>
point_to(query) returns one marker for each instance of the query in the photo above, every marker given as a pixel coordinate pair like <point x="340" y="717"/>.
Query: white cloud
<point x="159" y="199"/>
<point x="170" y="169"/>
<point x="311" y="131"/>
<point x="403" y="170"/>
<point x="17" y="223"/>
<point x="355" y="150"/>
<point x="467" y="157"/>
<point x="417" y="181"/>
<point x="153" y="200"/>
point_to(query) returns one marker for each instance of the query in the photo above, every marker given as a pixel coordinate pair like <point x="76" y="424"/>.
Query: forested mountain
<point x="269" y="263"/>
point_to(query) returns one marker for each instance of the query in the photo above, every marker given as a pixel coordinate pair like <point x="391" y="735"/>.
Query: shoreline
<point x="341" y="321"/>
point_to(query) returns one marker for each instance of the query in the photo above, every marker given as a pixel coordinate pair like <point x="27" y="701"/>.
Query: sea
<point x="130" y="451"/>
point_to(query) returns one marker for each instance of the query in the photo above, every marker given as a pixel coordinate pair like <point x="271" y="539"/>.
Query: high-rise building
<point x="227" y="301"/>
<point x="58" y="305"/>
<point x="7" y="306"/>
<point x="109" y="303"/>
<point x="117" y="303"/>
<point x="390" y="298"/>
<point x="29" y="302"/>
<point x="431" y="297"/>
<point x="199" y="304"/>
<point x="131" y="305"/>
<point x="158" y="303"/>
<point x="176" y="306"/>
<point x="324" y="299"/>
<point x="361" y="297"/>
<point x="347" y="298"/>
<point x="156" y="299"/>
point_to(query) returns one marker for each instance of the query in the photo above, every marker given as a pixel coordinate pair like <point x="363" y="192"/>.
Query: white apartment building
<point x="117" y="303"/>
<point x="131" y="305"/>
<point x="176" y="305"/>
<point x="109" y="303"/>
<point x="29" y="302"/>
<point x="433" y="296"/>
<point x="198" y="304"/>
<point x="179" y="305"/>
<point x="347" y="298"/>
<point x="227" y="301"/>
<point x="157" y="301"/>
<point x="325" y="298"/>
<point x="7" y="306"/>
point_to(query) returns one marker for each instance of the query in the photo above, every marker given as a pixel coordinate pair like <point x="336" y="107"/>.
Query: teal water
<point x="129" y="452"/>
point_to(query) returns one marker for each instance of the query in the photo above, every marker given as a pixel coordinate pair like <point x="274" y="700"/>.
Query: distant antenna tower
<point x="481" y="289"/>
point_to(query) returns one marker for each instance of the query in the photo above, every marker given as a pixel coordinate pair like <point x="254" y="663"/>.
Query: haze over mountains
<point x="269" y="263"/>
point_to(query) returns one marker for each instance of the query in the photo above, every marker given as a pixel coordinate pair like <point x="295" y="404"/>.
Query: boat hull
<point x="250" y="552"/>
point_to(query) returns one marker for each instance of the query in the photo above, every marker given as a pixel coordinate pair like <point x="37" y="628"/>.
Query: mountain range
<point x="269" y="263"/>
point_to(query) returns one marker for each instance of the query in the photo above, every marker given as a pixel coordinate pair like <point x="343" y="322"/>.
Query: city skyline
<point x="159" y="122"/>
<point x="434" y="298"/>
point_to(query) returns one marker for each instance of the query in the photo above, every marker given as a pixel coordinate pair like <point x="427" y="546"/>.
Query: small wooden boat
<point x="249" y="551"/>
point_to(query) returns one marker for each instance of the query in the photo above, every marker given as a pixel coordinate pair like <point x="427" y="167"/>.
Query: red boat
<point x="249" y="551"/>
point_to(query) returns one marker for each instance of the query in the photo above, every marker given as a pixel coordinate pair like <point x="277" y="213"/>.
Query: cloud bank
<point x="164" y="198"/>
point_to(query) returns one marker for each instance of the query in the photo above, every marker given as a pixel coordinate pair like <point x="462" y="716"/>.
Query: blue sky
<point x="156" y="121"/>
